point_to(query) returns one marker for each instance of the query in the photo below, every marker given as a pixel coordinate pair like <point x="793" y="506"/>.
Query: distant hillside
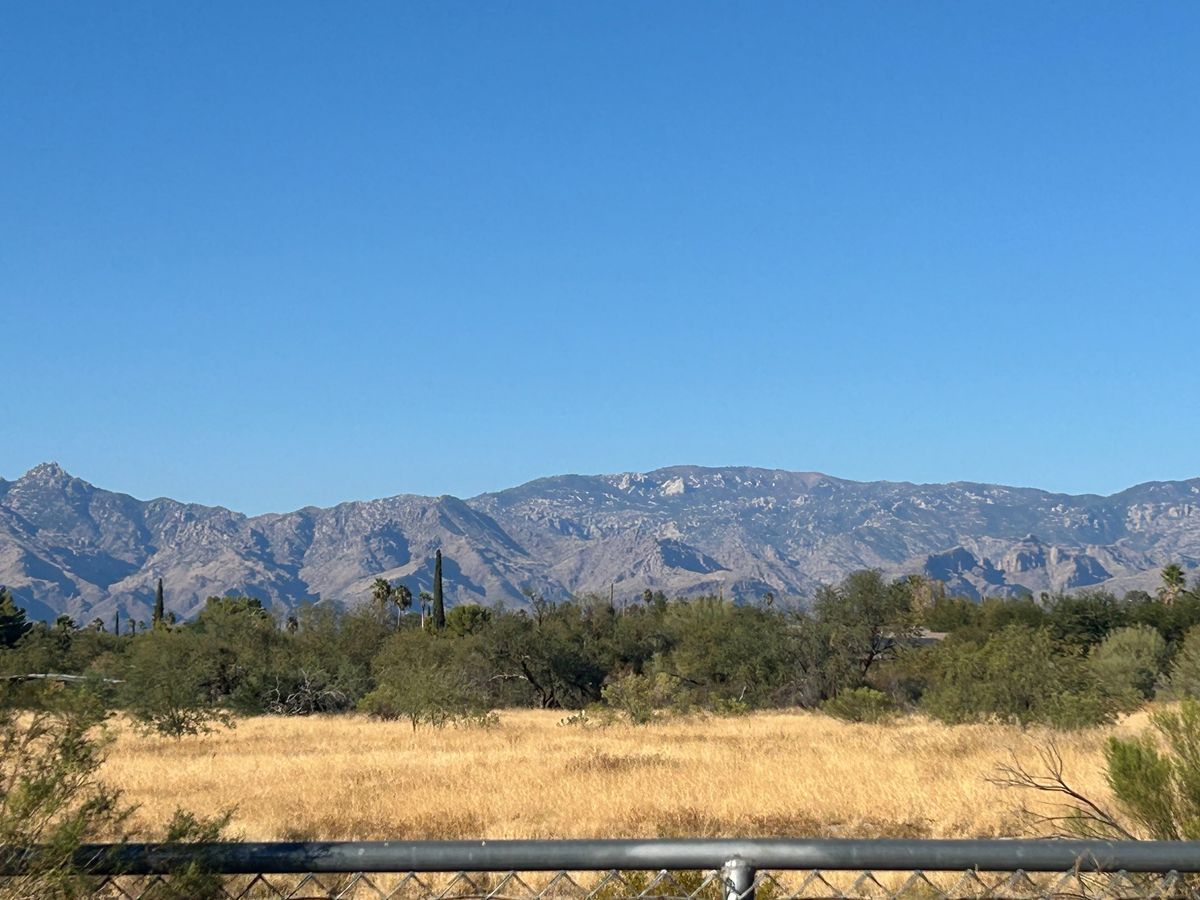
<point x="67" y="546"/>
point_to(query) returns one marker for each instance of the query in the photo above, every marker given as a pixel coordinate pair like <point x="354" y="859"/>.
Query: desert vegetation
<point x="765" y="774"/>
<point x="883" y="709"/>
<point x="864" y="650"/>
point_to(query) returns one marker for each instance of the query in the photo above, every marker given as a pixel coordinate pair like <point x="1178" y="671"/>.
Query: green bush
<point x="194" y="881"/>
<point x="1183" y="678"/>
<point x="730" y="707"/>
<point x="640" y="698"/>
<point x="862" y="704"/>
<point x="428" y="697"/>
<point x="1019" y="674"/>
<point x="422" y="678"/>
<point x="1155" y="779"/>
<point x="1128" y="662"/>
<point x="52" y="746"/>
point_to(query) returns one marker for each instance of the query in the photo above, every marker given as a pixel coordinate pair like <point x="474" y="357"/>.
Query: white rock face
<point x="673" y="487"/>
<point x="66" y="546"/>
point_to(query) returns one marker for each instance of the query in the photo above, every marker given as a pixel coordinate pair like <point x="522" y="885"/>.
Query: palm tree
<point x="1173" y="583"/>
<point x="381" y="592"/>
<point x="402" y="597"/>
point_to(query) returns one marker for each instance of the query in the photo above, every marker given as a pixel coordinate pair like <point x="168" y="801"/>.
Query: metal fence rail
<point x="696" y="869"/>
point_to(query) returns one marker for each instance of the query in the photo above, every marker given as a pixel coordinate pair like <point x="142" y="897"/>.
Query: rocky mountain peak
<point x="46" y="474"/>
<point x="66" y="546"/>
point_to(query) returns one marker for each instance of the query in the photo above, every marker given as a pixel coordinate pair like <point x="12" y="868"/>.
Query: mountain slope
<point x="67" y="546"/>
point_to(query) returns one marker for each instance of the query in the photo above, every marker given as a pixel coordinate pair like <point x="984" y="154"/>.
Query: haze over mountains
<point x="69" y="547"/>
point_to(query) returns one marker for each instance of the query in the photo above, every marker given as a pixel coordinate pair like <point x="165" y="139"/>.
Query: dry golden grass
<point x="770" y="774"/>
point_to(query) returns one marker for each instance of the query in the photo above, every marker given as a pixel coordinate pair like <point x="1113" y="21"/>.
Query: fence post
<point x="737" y="880"/>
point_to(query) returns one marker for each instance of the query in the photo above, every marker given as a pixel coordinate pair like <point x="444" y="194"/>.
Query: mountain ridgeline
<point x="69" y="547"/>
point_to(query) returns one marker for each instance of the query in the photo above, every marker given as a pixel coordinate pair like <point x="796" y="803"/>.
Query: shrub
<point x="1183" y="679"/>
<point x="50" y="757"/>
<point x="1019" y="674"/>
<point x="1154" y="779"/>
<point x="730" y="707"/>
<point x="194" y="881"/>
<point x="425" y="698"/>
<point x="1156" y="782"/>
<point x="1128" y="663"/>
<point x="52" y="746"/>
<point x="422" y="679"/>
<point x="862" y="704"/>
<point x="639" y="697"/>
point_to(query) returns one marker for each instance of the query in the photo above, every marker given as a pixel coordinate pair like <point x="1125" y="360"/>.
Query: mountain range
<point x="69" y="547"/>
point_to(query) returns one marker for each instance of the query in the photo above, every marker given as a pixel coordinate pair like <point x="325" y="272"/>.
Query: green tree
<point x="948" y="614"/>
<point x="13" y="624"/>
<point x="426" y="679"/>
<point x="238" y="648"/>
<point x="439" y="604"/>
<point x="1156" y="783"/>
<point x="468" y="618"/>
<point x="1129" y="662"/>
<point x="159" y="608"/>
<point x="865" y="620"/>
<point x="559" y="656"/>
<point x="1019" y="674"/>
<point x="403" y="599"/>
<point x="721" y="652"/>
<point x="52" y="747"/>
<point x="334" y="648"/>
<point x="167" y="685"/>
<point x="996" y="613"/>
<point x="1183" y="678"/>
<point x="1084" y="619"/>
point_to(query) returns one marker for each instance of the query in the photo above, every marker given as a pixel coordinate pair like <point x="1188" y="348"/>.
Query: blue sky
<point x="267" y="255"/>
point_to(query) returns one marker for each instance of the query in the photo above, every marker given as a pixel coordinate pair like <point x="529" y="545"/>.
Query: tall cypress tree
<point x="159" y="612"/>
<point x="116" y="621"/>
<point x="439" y="606"/>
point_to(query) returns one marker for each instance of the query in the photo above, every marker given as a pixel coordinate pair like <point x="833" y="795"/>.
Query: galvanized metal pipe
<point x="595" y="855"/>
<point x="737" y="879"/>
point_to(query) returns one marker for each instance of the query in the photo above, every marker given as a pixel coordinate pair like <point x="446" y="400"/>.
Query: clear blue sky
<point x="266" y="255"/>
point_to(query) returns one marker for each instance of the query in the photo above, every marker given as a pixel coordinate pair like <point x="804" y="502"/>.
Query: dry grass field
<point x="770" y="774"/>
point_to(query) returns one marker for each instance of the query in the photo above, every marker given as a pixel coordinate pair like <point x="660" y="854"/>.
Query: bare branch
<point x="1083" y="814"/>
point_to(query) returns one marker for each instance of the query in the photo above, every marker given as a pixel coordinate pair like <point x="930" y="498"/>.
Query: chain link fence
<point x="612" y="870"/>
<point x="666" y="885"/>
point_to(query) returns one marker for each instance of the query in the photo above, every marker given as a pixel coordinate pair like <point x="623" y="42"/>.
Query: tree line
<point x="867" y="648"/>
